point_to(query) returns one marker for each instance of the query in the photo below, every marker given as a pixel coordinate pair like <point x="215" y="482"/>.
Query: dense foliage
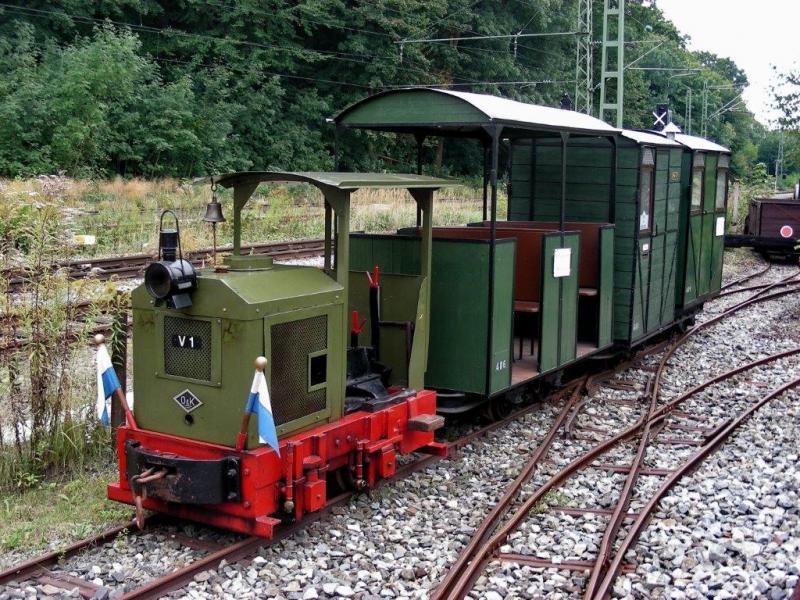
<point x="184" y="88"/>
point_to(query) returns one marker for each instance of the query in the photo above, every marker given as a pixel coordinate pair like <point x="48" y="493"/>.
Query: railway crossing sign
<point x="661" y="113"/>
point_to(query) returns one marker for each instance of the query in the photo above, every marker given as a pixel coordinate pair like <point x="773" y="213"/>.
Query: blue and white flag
<point x="107" y="383"/>
<point x="259" y="404"/>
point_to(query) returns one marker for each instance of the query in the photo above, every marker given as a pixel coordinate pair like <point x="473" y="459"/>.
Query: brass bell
<point x="214" y="212"/>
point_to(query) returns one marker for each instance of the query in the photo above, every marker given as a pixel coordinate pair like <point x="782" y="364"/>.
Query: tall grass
<point x="46" y="385"/>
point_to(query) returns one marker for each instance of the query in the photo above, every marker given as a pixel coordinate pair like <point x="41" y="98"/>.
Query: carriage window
<point x="697" y="189"/>
<point x="646" y="198"/>
<point x="722" y="188"/>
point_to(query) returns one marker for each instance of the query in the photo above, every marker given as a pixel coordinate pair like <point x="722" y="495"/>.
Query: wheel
<point x="342" y="480"/>
<point x="500" y="409"/>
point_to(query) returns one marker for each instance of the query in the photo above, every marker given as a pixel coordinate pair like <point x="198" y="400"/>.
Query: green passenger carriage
<point x="704" y="203"/>
<point x="596" y="253"/>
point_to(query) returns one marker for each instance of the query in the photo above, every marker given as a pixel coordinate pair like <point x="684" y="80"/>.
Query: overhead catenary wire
<point x="504" y="36"/>
<point x="336" y="55"/>
<point x="302" y="19"/>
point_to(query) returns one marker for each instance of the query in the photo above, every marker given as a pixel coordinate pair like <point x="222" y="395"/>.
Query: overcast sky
<point x="755" y="35"/>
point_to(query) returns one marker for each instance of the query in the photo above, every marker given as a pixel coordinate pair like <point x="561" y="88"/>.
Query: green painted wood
<point x="559" y="305"/>
<point x="692" y="283"/>
<point x="706" y="241"/>
<point x="548" y="154"/>
<point x="606" y="291"/>
<point x="656" y="276"/>
<point x="414" y="106"/>
<point x="680" y="161"/>
<point x="549" y="307"/>
<point x="581" y="192"/>
<point x="710" y="191"/>
<point x="459" y="312"/>
<point x="719" y="241"/>
<point x="640" y="291"/>
<point x="457" y="353"/>
<point x="668" y="286"/>
<point x="502" y="316"/>
<point x="569" y="302"/>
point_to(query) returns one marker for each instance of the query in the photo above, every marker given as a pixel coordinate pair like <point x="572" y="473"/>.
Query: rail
<point x="473" y="559"/>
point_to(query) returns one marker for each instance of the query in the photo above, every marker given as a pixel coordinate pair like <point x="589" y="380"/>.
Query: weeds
<point x="46" y="374"/>
<point x="37" y="517"/>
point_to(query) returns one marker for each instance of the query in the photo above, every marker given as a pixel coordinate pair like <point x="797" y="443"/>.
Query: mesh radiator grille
<point x="292" y="342"/>
<point x="192" y="363"/>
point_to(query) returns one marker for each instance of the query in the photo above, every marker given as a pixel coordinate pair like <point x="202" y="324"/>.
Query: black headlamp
<point x="171" y="279"/>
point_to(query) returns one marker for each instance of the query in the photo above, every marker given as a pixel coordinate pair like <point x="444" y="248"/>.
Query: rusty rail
<point x="133" y="265"/>
<point x="459" y="580"/>
<point x="160" y="586"/>
<point x="604" y="588"/>
<point x="458" y="583"/>
<point x="747" y="277"/>
<point x="490" y="522"/>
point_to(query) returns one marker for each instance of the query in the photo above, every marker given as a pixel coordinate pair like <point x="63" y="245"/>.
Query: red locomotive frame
<point x="294" y="483"/>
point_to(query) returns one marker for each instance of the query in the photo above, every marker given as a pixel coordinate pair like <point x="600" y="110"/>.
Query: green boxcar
<point x="703" y="205"/>
<point x="644" y="207"/>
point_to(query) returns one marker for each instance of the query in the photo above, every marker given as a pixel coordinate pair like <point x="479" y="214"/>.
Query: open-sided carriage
<point x="603" y="245"/>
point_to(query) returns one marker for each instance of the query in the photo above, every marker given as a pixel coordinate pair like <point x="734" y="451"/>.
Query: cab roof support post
<point x="420" y="137"/>
<point x="424" y="200"/>
<point x="328" y="236"/>
<point x="339" y="200"/>
<point x="241" y="194"/>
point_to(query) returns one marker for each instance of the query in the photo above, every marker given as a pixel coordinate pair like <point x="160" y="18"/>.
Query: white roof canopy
<point x="503" y="109"/>
<point x="440" y="112"/>
<point x="697" y="143"/>
<point x="645" y="137"/>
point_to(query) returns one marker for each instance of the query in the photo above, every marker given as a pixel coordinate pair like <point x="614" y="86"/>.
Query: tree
<point x="787" y="99"/>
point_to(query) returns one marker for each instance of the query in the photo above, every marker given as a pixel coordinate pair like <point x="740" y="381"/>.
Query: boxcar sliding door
<point x="695" y="276"/>
<point x="707" y="248"/>
<point x="720" y="209"/>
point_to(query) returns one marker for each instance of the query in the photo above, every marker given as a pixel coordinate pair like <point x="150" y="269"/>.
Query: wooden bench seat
<point x="526" y="307"/>
<point x="589" y="266"/>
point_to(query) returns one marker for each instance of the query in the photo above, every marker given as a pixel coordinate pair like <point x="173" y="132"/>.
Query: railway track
<point x="656" y="424"/>
<point x="133" y="265"/>
<point x="53" y="569"/>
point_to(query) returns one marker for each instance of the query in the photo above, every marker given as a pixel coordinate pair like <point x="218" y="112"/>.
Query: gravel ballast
<point x="729" y="530"/>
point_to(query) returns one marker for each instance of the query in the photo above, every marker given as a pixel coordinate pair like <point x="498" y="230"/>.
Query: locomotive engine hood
<point x="193" y="368"/>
